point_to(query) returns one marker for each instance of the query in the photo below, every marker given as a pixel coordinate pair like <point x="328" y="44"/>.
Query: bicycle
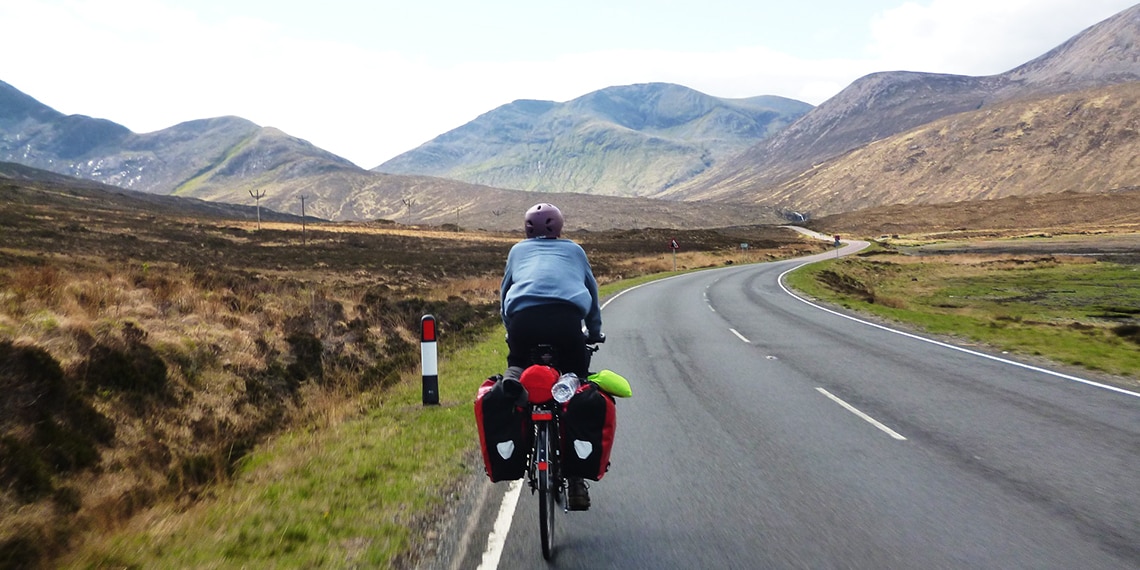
<point x="544" y="466"/>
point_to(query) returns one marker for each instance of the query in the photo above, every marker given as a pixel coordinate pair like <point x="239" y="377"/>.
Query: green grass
<point x="1078" y="313"/>
<point x="347" y="494"/>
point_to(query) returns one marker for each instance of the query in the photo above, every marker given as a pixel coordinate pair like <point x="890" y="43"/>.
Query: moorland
<point x="145" y="351"/>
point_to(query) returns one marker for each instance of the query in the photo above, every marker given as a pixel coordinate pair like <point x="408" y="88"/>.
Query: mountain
<point x="192" y="158"/>
<point x="228" y="159"/>
<point x="1085" y="141"/>
<point x="1063" y="121"/>
<point x="885" y="104"/>
<point x="635" y="140"/>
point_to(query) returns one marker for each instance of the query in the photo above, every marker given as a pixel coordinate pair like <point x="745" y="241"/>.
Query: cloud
<point x="978" y="37"/>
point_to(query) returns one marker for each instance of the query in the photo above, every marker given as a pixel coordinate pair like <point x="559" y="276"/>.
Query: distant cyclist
<point x="548" y="292"/>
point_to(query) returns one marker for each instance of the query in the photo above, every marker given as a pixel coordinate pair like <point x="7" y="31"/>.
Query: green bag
<point x="612" y="383"/>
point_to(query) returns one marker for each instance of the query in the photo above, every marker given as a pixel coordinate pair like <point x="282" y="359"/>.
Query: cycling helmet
<point x="543" y="220"/>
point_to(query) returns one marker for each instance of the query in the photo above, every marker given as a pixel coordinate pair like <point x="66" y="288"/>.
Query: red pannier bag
<point x="503" y="418"/>
<point x="589" y="420"/>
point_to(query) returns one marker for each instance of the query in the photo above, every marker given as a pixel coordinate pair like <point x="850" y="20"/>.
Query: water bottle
<point x="565" y="387"/>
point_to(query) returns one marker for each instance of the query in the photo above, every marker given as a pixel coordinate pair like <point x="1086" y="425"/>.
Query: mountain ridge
<point x="649" y="140"/>
<point x="623" y="140"/>
<point x="1084" y="141"/>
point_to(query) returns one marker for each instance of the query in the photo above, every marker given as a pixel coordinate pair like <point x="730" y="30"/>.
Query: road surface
<point x="767" y="432"/>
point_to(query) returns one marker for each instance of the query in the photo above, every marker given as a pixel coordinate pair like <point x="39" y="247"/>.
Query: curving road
<point x="766" y="432"/>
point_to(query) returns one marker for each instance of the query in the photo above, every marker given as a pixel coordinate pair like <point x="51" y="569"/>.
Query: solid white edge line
<point x="498" y="537"/>
<point x="780" y="282"/>
<point x="740" y="336"/>
<point x="865" y="417"/>
<point x="624" y="291"/>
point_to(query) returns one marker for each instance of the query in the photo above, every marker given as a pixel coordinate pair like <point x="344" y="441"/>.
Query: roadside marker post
<point x="430" y="361"/>
<point x="837" y="247"/>
<point x="673" y="245"/>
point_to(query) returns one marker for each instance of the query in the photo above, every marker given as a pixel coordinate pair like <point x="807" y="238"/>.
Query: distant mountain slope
<point x="634" y="140"/>
<point x="883" y="104"/>
<point x="181" y="159"/>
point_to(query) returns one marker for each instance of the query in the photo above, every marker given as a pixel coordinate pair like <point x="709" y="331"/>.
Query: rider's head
<point x="543" y="220"/>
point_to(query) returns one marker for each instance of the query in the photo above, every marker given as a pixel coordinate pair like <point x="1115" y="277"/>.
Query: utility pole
<point x="303" y="242"/>
<point x="257" y="198"/>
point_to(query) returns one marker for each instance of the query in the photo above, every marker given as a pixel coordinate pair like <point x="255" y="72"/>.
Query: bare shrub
<point x="37" y="287"/>
<point x="886" y="301"/>
<point x="1128" y="332"/>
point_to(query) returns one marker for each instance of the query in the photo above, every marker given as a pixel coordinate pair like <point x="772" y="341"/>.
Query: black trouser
<point x="559" y="325"/>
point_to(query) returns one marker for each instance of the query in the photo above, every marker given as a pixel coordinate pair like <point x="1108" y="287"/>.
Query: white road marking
<point x="498" y="537"/>
<point x="780" y="282"/>
<point x="865" y="417"/>
<point x="740" y="336"/>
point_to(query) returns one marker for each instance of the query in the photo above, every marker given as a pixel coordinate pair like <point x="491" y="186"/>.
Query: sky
<point x="370" y="79"/>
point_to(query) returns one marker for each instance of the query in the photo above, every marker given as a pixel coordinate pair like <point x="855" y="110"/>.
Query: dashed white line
<point x="865" y="417"/>
<point x="740" y="336"/>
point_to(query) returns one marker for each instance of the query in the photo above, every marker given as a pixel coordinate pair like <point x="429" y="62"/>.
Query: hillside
<point x="885" y="104"/>
<point x="344" y="195"/>
<point x="67" y="193"/>
<point x="1113" y="211"/>
<point x="635" y="140"/>
<point x="1085" y="142"/>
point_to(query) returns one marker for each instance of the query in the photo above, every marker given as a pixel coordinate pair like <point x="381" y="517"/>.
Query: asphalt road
<point x="765" y="432"/>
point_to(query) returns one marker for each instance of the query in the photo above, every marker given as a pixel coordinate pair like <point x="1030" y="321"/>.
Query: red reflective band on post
<point x="541" y="416"/>
<point x="430" y="360"/>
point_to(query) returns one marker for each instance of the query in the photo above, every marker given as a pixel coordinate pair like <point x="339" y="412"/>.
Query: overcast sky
<point x="370" y="79"/>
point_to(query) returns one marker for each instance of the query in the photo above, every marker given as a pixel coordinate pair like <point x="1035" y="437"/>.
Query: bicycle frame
<point x="546" y="452"/>
<point x="544" y="466"/>
<point x="545" y="473"/>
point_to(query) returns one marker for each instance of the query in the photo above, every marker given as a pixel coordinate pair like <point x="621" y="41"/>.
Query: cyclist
<point x="548" y="291"/>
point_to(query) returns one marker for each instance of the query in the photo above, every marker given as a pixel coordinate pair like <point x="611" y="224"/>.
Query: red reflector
<point x="427" y="325"/>
<point x="542" y="466"/>
<point x="541" y="416"/>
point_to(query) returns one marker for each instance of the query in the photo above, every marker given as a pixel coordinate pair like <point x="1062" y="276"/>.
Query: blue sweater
<point x="542" y="271"/>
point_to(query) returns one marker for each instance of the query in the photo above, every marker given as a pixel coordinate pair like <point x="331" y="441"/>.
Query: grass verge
<point x="345" y="494"/>
<point x="1070" y="310"/>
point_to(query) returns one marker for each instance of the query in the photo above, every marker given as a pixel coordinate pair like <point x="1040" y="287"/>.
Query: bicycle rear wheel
<point x="547" y="488"/>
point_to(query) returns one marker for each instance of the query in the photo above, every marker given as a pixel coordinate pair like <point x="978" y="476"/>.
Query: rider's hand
<point x="595" y="337"/>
